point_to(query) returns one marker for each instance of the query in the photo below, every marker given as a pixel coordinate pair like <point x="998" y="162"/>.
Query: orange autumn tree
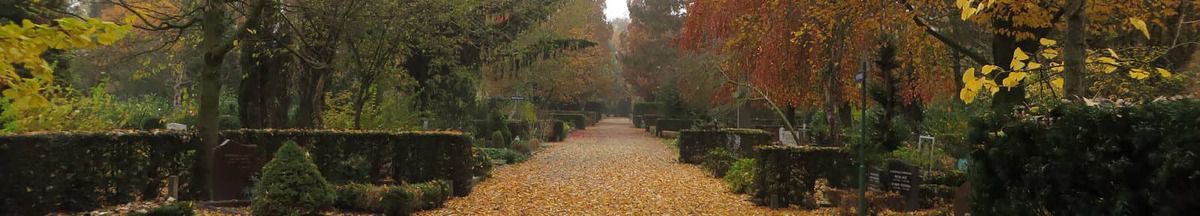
<point x="806" y="54"/>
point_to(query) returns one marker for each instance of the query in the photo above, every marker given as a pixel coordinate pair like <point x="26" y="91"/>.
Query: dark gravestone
<point x="235" y="166"/>
<point x="962" y="199"/>
<point x="904" y="179"/>
<point x="875" y="179"/>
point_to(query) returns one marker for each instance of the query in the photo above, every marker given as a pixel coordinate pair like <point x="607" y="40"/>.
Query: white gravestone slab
<point x="176" y="126"/>
<point x="787" y="137"/>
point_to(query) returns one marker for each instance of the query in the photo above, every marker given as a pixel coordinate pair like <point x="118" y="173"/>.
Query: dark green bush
<point x="482" y="163"/>
<point x="718" y="161"/>
<point x="524" y="147"/>
<point x="642" y="108"/>
<point x="359" y="197"/>
<point x="1083" y="160"/>
<point x="398" y="201"/>
<point x="508" y="155"/>
<point x="740" y="177"/>
<point x="519" y="129"/>
<point x="173" y="209"/>
<point x="357" y="156"/>
<point x="637" y="121"/>
<point x="650" y="120"/>
<point x="671" y="125"/>
<point x="432" y="194"/>
<point x="787" y="175"/>
<point x="580" y="121"/>
<point x="499" y="140"/>
<point x="61" y="171"/>
<point x="394" y="200"/>
<point x="694" y="143"/>
<point x="291" y="185"/>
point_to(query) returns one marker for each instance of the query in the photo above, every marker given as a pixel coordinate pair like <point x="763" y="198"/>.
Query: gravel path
<point x="611" y="168"/>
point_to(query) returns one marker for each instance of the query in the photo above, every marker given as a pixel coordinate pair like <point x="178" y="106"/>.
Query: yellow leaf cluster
<point x="22" y="46"/>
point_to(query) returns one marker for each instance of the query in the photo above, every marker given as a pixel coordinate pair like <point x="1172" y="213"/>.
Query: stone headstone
<point x="904" y="179"/>
<point x="875" y="179"/>
<point x="234" y="169"/>
<point x="962" y="200"/>
<point x="176" y="126"/>
<point x="787" y="137"/>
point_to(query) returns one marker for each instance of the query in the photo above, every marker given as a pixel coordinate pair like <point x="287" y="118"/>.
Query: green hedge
<point x="45" y="172"/>
<point x="559" y="131"/>
<point x="519" y="129"/>
<point x="693" y="144"/>
<point x="787" y="175"/>
<point x="580" y="121"/>
<point x="393" y="199"/>
<point x="649" y="121"/>
<point x="69" y="171"/>
<point x="643" y="108"/>
<point x="637" y="121"/>
<point x="1081" y="160"/>
<point x="358" y="156"/>
<point x="671" y="125"/>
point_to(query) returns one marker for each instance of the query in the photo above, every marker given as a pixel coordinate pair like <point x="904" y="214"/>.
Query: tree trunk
<point x="833" y="103"/>
<point x="1075" y="81"/>
<point x="263" y="95"/>
<point x="312" y="97"/>
<point x="360" y="100"/>
<point x="210" y="83"/>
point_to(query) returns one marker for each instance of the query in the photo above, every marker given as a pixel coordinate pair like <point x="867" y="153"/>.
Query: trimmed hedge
<point x="559" y="130"/>
<point x="787" y="175"/>
<point x="519" y="129"/>
<point x="643" y="108"/>
<point x="671" y="125"/>
<point x="78" y="171"/>
<point x="650" y="120"/>
<point x="359" y="156"/>
<point x="1081" y="160"/>
<point x="393" y="199"/>
<point x="580" y="121"/>
<point x="637" y="121"/>
<point x="693" y="144"/>
<point x="67" y="171"/>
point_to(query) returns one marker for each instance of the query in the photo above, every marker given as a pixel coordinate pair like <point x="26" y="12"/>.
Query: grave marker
<point x="235" y="166"/>
<point x="904" y="179"/>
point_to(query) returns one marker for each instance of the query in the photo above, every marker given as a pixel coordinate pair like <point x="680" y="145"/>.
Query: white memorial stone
<point x="176" y="126"/>
<point x="787" y="137"/>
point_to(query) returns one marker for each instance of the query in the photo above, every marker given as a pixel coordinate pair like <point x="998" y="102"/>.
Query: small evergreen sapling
<point x="292" y="185"/>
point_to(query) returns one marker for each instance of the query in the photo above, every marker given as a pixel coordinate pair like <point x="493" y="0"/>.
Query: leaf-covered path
<point x="611" y="168"/>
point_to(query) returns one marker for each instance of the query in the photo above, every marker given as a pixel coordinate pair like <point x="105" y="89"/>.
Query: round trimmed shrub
<point x="291" y="185"/>
<point x="499" y="140"/>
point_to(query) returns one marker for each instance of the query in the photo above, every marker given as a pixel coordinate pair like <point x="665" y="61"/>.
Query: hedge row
<point x="649" y="121"/>
<point x="359" y="156"/>
<point x="671" y="125"/>
<point x="787" y="175"/>
<point x="1081" y="160"/>
<point x="81" y="171"/>
<point x="393" y="200"/>
<point x="643" y="108"/>
<point x="580" y="121"/>
<point x="694" y="144"/>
